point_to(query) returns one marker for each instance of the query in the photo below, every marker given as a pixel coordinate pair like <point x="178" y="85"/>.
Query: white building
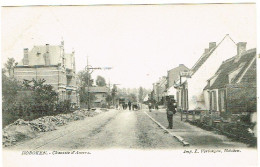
<point x="190" y="88"/>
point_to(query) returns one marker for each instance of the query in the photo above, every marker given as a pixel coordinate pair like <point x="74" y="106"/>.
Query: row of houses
<point x="223" y="79"/>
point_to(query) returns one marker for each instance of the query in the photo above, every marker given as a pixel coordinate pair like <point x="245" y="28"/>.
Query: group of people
<point x="129" y="105"/>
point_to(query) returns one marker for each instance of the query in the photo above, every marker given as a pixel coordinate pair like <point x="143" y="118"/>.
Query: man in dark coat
<point x="129" y="105"/>
<point x="171" y="109"/>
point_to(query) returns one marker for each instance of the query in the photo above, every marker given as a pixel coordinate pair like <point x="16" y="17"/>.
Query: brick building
<point x="174" y="74"/>
<point x="50" y="62"/>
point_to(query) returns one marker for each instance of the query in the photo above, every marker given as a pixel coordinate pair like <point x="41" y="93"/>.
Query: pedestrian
<point x="156" y="106"/>
<point x="150" y="106"/>
<point x="171" y="109"/>
<point x="129" y="105"/>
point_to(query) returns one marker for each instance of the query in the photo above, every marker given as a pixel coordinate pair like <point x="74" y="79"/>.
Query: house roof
<point x="99" y="89"/>
<point x="175" y="72"/>
<point x="236" y="66"/>
<point x="206" y="55"/>
<point x="37" y="53"/>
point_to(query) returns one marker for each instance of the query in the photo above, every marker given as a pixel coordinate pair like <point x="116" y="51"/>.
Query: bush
<point x="34" y="100"/>
<point x="63" y="107"/>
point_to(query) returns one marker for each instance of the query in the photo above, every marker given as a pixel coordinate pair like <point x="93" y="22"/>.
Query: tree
<point x="141" y="94"/>
<point x="85" y="81"/>
<point x="132" y="97"/>
<point x="100" y="81"/>
<point x="10" y="88"/>
<point x="113" y="93"/>
<point x="28" y="101"/>
<point x="9" y="65"/>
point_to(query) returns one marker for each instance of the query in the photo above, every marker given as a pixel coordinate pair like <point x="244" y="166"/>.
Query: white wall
<point x="224" y="51"/>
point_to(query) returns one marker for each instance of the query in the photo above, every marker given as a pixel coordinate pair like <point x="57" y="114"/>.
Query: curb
<point x="179" y="138"/>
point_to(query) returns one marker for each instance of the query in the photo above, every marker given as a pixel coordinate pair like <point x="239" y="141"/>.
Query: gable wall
<point x="196" y="84"/>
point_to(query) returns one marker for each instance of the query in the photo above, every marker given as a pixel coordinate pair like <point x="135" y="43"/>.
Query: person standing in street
<point x="150" y="106"/>
<point x="171" y="109"/>
<point x="156" y="106"/>
<point x="129" y="105"/>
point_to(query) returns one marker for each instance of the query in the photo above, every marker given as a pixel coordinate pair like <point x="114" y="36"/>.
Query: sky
<point x="140" y="42"/>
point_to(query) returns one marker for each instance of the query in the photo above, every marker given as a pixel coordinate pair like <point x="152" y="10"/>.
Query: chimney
<point x="47" y="48"/>
<point x="206" y="50"/>
<point x="25" y="58"/>
<point x="212" y="45"/>
<point x="241" y="47"/>
<point x="46" y="55"/>
<point x="181" y="65"/>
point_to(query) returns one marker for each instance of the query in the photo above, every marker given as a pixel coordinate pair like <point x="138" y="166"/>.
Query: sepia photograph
<point x="90" y="79"/>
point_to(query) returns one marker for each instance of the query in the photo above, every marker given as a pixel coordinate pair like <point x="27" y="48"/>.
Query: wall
<point x="53" y="76"/>
<point x="173" y="75"/>
<point x="196" y="84"/>
<point x="241" y="98"/>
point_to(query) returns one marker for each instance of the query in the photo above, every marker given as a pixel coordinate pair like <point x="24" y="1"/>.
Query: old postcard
<point x="129" y="85"/>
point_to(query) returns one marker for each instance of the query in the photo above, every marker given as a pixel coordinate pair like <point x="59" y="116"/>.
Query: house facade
<point x="100" y="94"/>
<point x="159" y="89"/>
<point x="190" y="95"/>
<point x="232" y="88"/>
<point x="51" y="63"/>
<point x="173" y="76"/>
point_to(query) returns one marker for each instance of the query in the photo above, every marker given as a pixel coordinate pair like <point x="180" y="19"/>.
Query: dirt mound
<point x="18" y="131"/>
<point x="21" y="130"/>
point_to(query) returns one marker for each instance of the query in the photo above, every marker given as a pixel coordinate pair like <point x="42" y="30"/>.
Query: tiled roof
<point x="202" y="60"/>
<point x="205" y="56"/>
<point x="99" y="89"/>
<point x="173" y="74"/>
<point x="37" y="53"/>
<point x="237" y="64"/>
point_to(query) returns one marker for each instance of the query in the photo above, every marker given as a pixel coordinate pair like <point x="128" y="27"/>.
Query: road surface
<point x="114" y="129"/>
<point x="127" y="130"/>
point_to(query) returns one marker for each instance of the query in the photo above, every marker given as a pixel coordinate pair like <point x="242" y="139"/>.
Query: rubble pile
<point x="21" y="130"/>
<point x="17" y="131"/>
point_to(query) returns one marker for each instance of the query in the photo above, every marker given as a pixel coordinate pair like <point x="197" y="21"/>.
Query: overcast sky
<point x="140" y="42"/>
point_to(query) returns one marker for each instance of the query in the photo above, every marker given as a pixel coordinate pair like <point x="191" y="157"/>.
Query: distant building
<point x="100" y="95"/>
<point x="233" y="87"/>
<point x="190" y="95"/>
<point x="50" y="62"/>
<point x="159" y="89"/>
<point x="173" y="76"/>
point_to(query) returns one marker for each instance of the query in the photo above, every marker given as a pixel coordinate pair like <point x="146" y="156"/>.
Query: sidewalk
<point x="195" y="136"/>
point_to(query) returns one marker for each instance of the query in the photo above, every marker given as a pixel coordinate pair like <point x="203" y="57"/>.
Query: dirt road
<point x="113" y="129"/>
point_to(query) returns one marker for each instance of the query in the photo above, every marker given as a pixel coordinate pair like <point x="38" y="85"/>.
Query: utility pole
<point x="89" y="70"/>
<point x="88" y="75"/>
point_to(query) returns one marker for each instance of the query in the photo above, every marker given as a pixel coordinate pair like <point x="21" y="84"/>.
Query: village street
<point x="123" y="129"/>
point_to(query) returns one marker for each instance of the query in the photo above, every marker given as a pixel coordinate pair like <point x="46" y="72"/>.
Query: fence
<point x="235" y="126"/>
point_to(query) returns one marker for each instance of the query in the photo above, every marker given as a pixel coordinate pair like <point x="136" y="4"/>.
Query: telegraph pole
<point x="88" y="75"/>
<point x="89" y="70"/>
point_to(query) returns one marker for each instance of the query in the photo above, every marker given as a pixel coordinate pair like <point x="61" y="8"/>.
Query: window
<point x="178" y="98"/>
<point x="222" y="100"/>
<point x="213" y="100"/>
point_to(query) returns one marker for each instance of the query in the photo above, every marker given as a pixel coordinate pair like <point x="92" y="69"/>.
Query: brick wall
<point x="241" y="98"/>
<point x="53" y="75"/>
